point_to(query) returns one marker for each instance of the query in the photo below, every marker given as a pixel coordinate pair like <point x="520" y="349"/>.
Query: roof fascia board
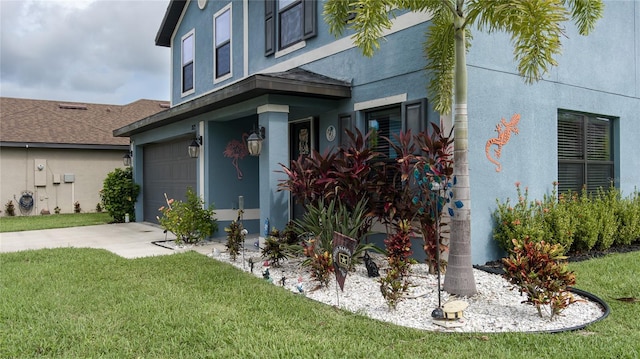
<point x="172" y="17"/>
<point x="253" y="86"/>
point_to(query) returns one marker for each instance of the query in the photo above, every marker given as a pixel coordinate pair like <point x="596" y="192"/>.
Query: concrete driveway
<point x="128" y="240"/>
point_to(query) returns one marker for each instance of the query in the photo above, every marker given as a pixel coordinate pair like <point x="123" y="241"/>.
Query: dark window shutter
<point x="414" y="116"/>
<point x="345" y="122"/>
<point x="269" y="27"/>
<point x="309" y="16"/>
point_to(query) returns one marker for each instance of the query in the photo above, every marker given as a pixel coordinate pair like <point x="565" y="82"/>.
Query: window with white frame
<point x="585" y="151"/>
<point x="288" y="21"/>
<point x="222" y="45"/>
<point x="188" y="54"/>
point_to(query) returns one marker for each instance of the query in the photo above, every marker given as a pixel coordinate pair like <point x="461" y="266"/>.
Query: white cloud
<point x="87" y="51"/>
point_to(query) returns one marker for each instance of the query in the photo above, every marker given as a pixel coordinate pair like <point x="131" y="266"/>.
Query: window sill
<point x="290" y="49"/>
<point x="217" y="80"/>
<point x="184" y="94"/>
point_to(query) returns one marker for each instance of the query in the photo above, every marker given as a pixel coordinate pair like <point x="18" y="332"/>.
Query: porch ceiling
<point x="295" y="82"/>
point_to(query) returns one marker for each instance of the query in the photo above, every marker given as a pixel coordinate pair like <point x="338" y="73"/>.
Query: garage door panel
<point x="167" y="169"/>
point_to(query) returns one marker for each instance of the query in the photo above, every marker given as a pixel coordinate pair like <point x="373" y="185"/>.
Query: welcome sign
<point x="343" y="248"/>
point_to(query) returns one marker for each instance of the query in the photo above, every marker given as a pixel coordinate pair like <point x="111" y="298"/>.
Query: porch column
<point x="274" y="205"/>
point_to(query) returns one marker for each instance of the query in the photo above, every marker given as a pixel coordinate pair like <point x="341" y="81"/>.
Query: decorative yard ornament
<point x="343" y="248"/>
<point x="372" y="267"/>
<point x="300" y="285"/>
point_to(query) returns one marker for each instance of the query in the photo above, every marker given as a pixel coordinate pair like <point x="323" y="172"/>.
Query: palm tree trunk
<point x="459" y="278"/>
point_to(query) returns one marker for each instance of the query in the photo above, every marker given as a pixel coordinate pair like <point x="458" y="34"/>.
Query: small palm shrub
<point x="279" y="245"/>
<point x="189" y="221"/>
<point x="538" y="270"/>
<point x="395" y="284"/>
<point x="235" y="237"/>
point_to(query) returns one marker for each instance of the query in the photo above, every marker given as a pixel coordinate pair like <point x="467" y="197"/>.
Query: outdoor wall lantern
<point x="254" y="141"/>
<point x="126" y="159"/>
<point x="194" y="147"/>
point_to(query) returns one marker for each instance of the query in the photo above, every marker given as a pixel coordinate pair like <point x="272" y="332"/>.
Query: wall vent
<point x="72" y="106"/>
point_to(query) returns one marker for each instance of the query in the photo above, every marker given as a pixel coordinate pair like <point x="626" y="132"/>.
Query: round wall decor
<point x="331" y="133"/>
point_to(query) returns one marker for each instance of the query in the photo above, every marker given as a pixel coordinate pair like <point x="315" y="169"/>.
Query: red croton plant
<point x="539" y="270"/>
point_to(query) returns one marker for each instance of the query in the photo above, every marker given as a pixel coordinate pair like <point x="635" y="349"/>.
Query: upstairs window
<point x="222" y="34"/>
<point x="585" y="151"/>
<point x="290" y="16"/>
<point x="187" y="62"/>
<point x="288" y="21"/>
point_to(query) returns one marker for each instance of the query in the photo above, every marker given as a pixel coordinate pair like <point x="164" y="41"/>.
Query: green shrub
<point x="537" y="269"/>
<point x="583" y="210"/>
<point x="189" y="221"/>
<point x="518" y="221"/>
<point x="629" y="215"/>
<point x="606" y="204"/>
<point x="578" y="222"/>
<point x="119" y="194"/>
<point x="557" y="222"/>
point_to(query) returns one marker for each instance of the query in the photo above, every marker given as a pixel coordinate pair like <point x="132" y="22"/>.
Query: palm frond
<point x="439" y="50"/>
<point x="585" y="13"/>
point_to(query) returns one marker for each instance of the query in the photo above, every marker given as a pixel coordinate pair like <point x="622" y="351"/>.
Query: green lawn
<point x="30" y="223"/>
<point x="81" y="303"/>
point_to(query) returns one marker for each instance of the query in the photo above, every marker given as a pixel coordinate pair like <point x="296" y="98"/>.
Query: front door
<point x="303" y="138"/>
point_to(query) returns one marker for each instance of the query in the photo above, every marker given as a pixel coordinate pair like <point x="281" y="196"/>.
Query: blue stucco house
<point x="239" y="66"/>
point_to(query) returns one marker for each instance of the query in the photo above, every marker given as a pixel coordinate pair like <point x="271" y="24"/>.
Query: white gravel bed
<point x="495" y="308"/>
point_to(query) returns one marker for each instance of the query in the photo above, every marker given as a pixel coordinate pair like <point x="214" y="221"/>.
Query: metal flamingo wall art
<point x="237" y="150"/>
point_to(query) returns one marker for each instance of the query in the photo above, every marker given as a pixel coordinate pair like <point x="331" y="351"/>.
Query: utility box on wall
<point x="40" y="172"/>
<point x="56" y="178"/>
<point x="69" y="178"/>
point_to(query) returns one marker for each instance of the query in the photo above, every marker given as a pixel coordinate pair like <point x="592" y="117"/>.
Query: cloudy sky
<point x="96" y="51"/>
